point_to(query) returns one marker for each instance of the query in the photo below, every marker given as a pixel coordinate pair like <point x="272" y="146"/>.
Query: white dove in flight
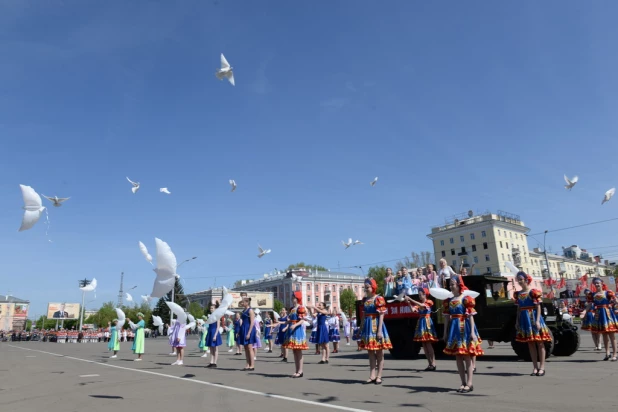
<point x="233" y="184"/>
<point x="347" y="245"/>
<point x="262" y="251"/>
<point x="608" y="195"/>
<point x="164" y="190"/>
<point x="374" y="181"/>
<point x="57" y="201"/>
<point x="225" y="71"/>
<point x="570" y="182"/>
<point x="135" y="187"/>
<point x="33" y="206"/>
<point x="129" y="297"/>
<point x="398" y="298"/>
<point x="358" y="242"/>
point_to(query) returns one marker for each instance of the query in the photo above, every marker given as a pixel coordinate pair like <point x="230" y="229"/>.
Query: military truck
<point x="495" y="320"/>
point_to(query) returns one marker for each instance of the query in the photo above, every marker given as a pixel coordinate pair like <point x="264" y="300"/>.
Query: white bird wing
<point x="575" y="180"/>
<point x="164" y="190"/>
<point x="512" y="268"/>
<point x="190" y="318"/>
<point x="157" y="321"/>
<point x="178" y="311"/>
<point x="350" y="241"/>
<point x="90" y="287"/>
<point x="470" y="293"/>
<point x="121" y="317"/>
<point x="166" y="260"/>
<point x="610" y="193"/>
<point x="230" y="77"/>
<point x="440" y="293"/>
<point x="134" y="189"/>
<point x="277" y="316"/>
<point x="566" y="179"/>
<point x="224" y="63"/>
<point x="398" y="298"/>
<point x="258" y="318"/>
<point x="216" y="315"/>
<point x="33" y="206"/>
<point x="227" y="300"/>
<point x="61" y="199"/>
<point x="162" y="287"/>
<point x="132" y="182"/>
<point x="191" y="326"/>
<point x="144" y="250"/>
<point x="229" y="312"/>
<point x="129" y="297"/>
<point x="260" y="249"/>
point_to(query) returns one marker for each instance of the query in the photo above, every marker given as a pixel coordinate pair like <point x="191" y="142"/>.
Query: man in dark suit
<point x="61" y="314"/>
<point x="568" y="293"/>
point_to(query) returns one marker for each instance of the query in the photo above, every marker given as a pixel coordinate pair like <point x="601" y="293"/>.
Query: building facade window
<point x="507" y="245"/>
<point x="463" y="249"/>
<point x="443" y="253"/>
<point x="454" y="262"/>
<point x="442" y="243"/>
<point x="486" y="258"/>
<point x="451" y="240"/>
<point x="461" y="239"/>
<point x="483" y="234"/>
<point x="501" y="246"/>
<point x="488" y="269"/>
<point x="499" y="234"/>
<point x="452" y="252"/>
<point x="503" y="256"/>
<point x="476" y="259"/>
<point x="471" y="236"/>
<point x="485" y="245"/>
<point x="474" y="248"/>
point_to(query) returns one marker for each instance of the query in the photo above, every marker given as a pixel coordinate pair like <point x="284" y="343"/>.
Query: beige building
<point x="488" y="240"/>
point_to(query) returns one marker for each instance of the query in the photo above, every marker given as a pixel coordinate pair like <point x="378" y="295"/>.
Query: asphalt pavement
<point x="68" y="377"/>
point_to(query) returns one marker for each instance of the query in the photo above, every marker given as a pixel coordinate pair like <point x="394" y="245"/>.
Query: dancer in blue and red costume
<point x="425" y="330"/>
<point x="374" y="337"/>
<point x="296" y="337"/>
<point x="460" y="332"/>
<point x="529" y="323"/>
<point x="587" y="322"/>
<point x="604" y="322"/>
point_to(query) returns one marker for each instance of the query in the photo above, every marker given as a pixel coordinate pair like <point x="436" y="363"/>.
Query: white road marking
<point x="87" y="376"/>
<point x="216" y="385"/>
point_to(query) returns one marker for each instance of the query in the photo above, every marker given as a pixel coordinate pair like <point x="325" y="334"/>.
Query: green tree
<point x="196" y="310"/>
<point x="277" y="305"/>
<point x="347" y="300"/>
<point x="378" y="273"/>
<point x="307" y="266"/>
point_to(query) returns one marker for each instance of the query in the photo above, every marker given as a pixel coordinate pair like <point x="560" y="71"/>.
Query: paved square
<point x="76" y="377"/>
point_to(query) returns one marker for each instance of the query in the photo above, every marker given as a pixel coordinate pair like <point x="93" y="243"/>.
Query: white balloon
<point x="33" y="206"/>
<point x="440" y="293"/>
<point x="165" y="270"/>
<point x="178" y="311"/>
<point x="91" y="286"/>
<point x="142" y="248"/>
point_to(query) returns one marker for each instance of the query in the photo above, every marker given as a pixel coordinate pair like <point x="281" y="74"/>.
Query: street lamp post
<point x="174" y="288"/>
<point x="82" y="284"/>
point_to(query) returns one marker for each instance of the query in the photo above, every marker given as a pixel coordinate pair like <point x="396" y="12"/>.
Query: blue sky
<point x="455" y="106"/>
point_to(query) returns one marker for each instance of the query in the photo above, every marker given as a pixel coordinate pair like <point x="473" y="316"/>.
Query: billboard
<point x="259" y="300"/>
<point x="21" y="310"/>
<point x="63" y="310"/>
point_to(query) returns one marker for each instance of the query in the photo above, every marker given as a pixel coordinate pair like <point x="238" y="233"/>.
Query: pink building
<point x="316" y="286"/>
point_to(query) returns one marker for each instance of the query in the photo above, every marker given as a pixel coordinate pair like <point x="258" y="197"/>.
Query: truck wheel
<point x="522" y="351"/>
<point x="568" y="343"/>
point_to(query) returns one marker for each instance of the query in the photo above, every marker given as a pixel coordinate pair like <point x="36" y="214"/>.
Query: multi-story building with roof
<point x="316" y="286"/>
<point x="13" y="313"/>
<point x="486" y="241"/>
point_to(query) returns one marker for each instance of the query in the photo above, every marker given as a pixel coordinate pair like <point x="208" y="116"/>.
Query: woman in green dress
<point x="114" y="339"/>
<point x="138" y="341"/>
<point x="203" y="333"/>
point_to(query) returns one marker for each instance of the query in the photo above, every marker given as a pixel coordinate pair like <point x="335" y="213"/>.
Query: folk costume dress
<point x="296" y="339"/>
<point x="114" y="340"/>
<point x="321" y="330"/>
<point x="268" y="335"/>
<point x="425" y="330"/>
<point x="459" y="334"/>
<point x="372" y="308"/>
<point x="314" y="329"/>
<point x="356" y="331"/>
<point x="604" y="318"/>
<point x="333" y="333"/>
<point x="588" y="319"/>
<point x="280" y="338"/>
<point x="138" y="341"/>
<point x="527" y="331"/>
<point x="245" y="324"/>
<point x="213" y="329"/>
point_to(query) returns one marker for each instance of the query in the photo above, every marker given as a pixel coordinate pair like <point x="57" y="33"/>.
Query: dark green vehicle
<point x="495" y="321"/>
